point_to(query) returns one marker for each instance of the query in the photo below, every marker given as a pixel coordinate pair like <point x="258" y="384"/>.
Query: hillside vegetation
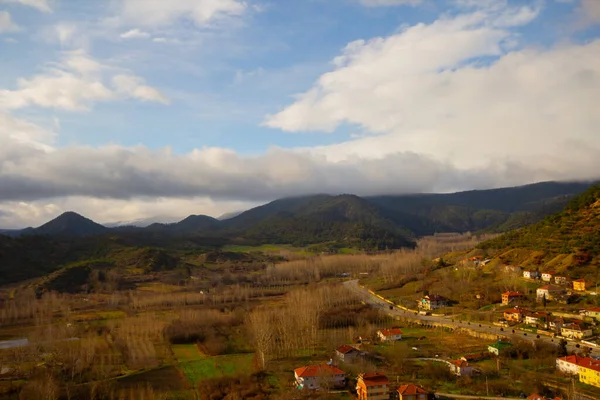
<point x="573" y="232"/>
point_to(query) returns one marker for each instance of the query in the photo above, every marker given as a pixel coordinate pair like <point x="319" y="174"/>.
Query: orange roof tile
<point x="374" y="378"/>
<point x="411" y="389"/>
<point x="391" y="332"/>
<point x="317" y="370"/>
<point x="345" y="349"/>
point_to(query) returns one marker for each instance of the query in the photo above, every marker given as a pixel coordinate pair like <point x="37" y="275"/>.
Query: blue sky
<point x="129" y="109"/>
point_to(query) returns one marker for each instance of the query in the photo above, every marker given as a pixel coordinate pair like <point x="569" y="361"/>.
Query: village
<point x="524" y="325"/>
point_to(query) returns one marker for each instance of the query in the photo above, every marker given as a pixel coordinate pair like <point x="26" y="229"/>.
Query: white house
<point x="538" y="318"/>
<point x="575" y="331"/>
<point x="549" y="291"/>
<point x="316" y="377"/>
<point x="347" y="353"/>
<point x="390" y="335"/>
<point x="568" y="364"/>
<point x="547" y="276"/>
<point x="561" y="280"/>
<point x="531" y="274"/>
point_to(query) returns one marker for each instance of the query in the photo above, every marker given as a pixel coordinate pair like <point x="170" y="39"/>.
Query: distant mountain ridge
<point x="322" y="217"/>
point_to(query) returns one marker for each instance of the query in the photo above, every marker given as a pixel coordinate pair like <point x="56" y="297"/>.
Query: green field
<point x="215" y="367"/>
<point x="187" y="352"/>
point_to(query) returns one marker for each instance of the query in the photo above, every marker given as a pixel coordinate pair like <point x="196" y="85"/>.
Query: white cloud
<point x="75" y="83"/>
<point x="133" y="86"/>
<point x="425" y="90"/>
<point x="161" y="13"/>
<point x="6" y="23"/>
<point x="135" y="34"/>
<point x="40" y="5"/>
<point x="387" y="3"/>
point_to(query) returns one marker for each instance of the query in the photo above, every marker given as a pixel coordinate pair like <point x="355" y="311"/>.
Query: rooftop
<point x="345" y="349"/>
<point x="391" y="332"/>
<point x="318" y="370"/>
<point x="411" y="389"/>
<point x="373" y="378"/>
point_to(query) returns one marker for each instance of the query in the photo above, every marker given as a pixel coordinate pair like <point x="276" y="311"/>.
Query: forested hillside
<point x="575" y="231"/>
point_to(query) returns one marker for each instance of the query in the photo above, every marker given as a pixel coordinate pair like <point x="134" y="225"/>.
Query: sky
<point x="125" y="110"/>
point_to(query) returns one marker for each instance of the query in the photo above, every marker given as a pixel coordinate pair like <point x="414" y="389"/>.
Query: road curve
<point x="447" y="320"/>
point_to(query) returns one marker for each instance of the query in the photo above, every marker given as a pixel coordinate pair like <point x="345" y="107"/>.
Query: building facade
<point x="372" y="386"/>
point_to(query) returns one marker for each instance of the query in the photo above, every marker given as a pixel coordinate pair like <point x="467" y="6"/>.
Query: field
<point x="215" y="367"/>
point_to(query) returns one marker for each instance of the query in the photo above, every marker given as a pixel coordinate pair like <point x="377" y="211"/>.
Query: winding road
<point x="448" y="320"/>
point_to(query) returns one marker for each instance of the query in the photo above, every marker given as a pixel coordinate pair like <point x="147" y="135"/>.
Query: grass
<point x="215" y="367"/>
<point x="187" y="352"/>
<point x="262" y="248"/>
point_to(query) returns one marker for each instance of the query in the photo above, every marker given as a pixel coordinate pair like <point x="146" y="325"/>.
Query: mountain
<point x="190" y="224"/>
<point x="567" y="239"/>
<point x="491" y="210"/>
<point x="70" y="224"/>
<point x="342" y="221"/>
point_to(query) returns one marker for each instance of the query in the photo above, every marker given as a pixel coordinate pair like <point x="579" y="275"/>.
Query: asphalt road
<point x="483" y="327"/>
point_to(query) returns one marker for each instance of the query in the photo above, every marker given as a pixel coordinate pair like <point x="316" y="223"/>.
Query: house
<point x="547" y="276"/>
<point x="515" y="314"/>
<point x="549" y="291"/>
<point x="589" y="371"/>
<point x="538" y="318"/>
<point x="575" y="331"/>
<point x="316" y="377"/>
<point x="390" y="335"/>
<point x="561" y="280"/>
<point x="347" y="353"/>
<point x="433" y="301"/>
<point x="509" y="297"/>
<point x="372" y="386"/>
<point x="412" y="392"/>
<point x="579" y="285"/>
<point x="569" y="364"/>
<point x="555" y="323"/>
<point x="593" y="312"/>
<point x="460" y="368"/>
<point x="499" y="347"/>
<point x="529" y="274"/>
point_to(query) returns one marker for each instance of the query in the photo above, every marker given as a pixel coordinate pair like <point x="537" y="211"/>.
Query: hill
<point x="341" y="221"/>
<point x="570" y="238"/>
<point x="70" y="224"/>
<point x="494" y="210"/>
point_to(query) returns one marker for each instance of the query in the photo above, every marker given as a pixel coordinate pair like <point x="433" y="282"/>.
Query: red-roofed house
<point x="515" y="314"/>
<point x="509" y="297"/>
<point x="372" y="386"/>
<point x="347" y="353"/>
<point x="460" y="368"/>
<point x="569" y="364"/>
<point x="593" y="312"/>
<point x="390" y="335"/>
<point x="318" y="376"/>
<point x="412" y="392"/>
